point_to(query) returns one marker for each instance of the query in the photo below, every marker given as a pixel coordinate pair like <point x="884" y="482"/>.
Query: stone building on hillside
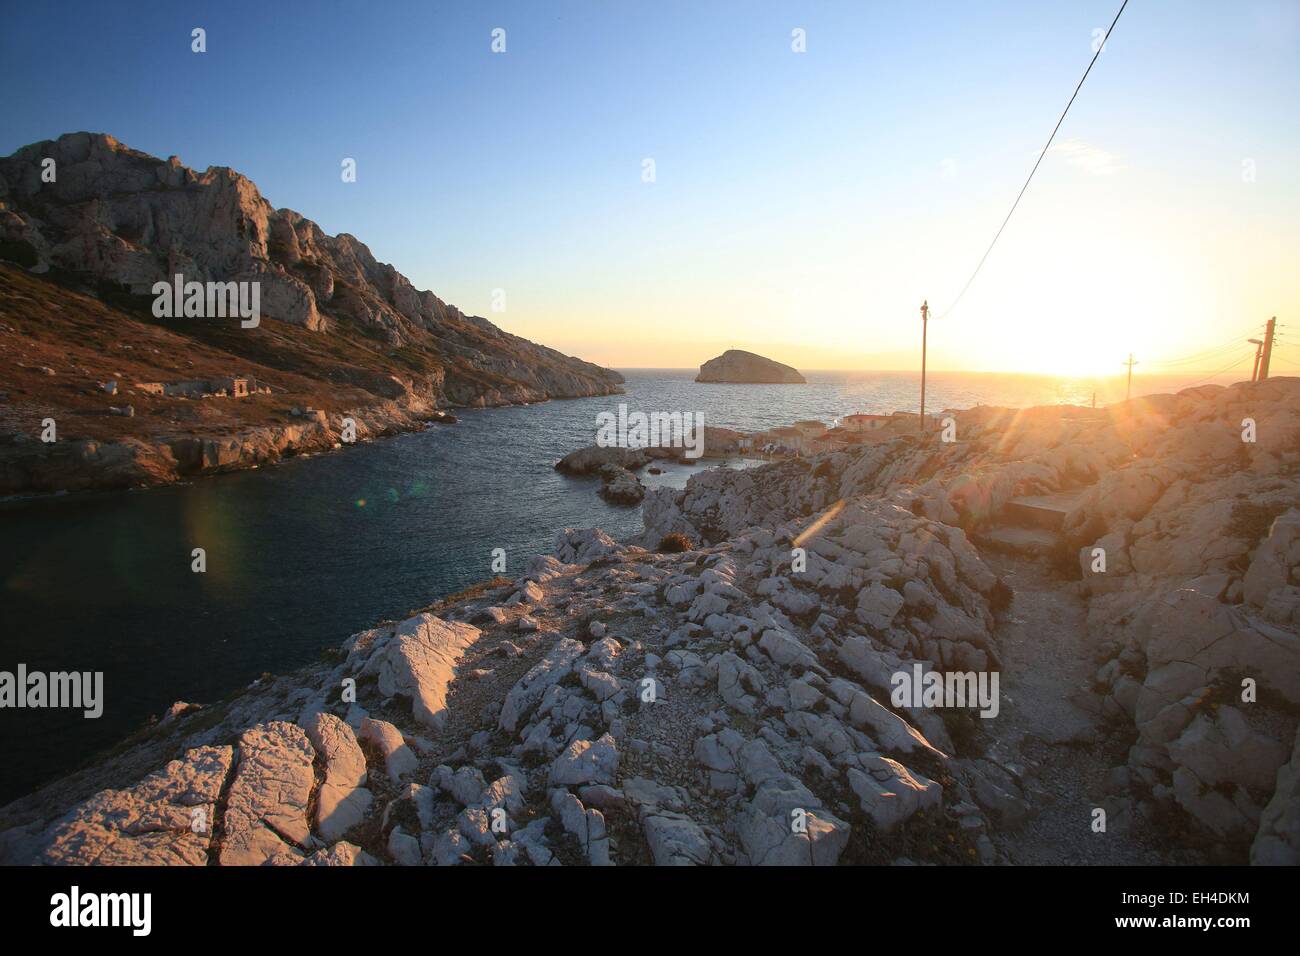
<point x="229" y="386"/>
<point x="234" y="386"/>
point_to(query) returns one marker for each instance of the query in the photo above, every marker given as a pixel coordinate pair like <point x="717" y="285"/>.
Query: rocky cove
<point x="682" y="695"/>
<point x="94" y="388"/>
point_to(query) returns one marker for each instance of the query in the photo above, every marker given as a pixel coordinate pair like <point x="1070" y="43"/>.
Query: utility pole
<point x="925" y="321"/>
<point x="1129" y="390"/>
<point x="1259" y="350"/>
<point x="1268" y="349"/>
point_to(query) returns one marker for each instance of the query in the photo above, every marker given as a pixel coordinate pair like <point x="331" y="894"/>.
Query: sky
<point x="803" y="204"/>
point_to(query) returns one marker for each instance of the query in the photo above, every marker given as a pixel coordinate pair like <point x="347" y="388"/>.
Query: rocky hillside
<point x="719" y="704"/>
<point x="347" y="334"/>
<point x="1194" y="605"/>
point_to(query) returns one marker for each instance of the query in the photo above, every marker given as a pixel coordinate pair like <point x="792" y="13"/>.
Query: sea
<point x="301" y="554"/>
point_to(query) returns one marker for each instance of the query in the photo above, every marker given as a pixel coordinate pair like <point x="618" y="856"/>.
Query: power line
<point x="1100" y="47"/>
<point x="1211" y="353"/>
<point x="1226" y="368"/>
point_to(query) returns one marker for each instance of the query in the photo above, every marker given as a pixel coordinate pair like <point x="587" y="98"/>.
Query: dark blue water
<point x="299" y="555"/>
<point x="304" y="553"/>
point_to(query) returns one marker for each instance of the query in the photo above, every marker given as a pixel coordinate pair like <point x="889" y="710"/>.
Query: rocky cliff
<point x="740" y="367"/>
<point x="345" y="333"/>
<point x="731" y="701"/>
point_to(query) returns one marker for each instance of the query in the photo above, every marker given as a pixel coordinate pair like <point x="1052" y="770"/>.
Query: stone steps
<point x="1040" y="511"/>
<point x="1030" y="525"/>
<point x="1031" y="542"/>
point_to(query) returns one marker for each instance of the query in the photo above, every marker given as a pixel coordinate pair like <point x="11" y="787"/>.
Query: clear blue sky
<point x="800" y="198"/>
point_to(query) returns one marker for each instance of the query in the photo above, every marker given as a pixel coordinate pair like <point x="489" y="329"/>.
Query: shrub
<point x="675" y="543"/>
<point x="1252" y="522"/>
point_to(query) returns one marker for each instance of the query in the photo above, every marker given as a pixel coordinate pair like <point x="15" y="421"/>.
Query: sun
<point x="1062" y="352"/>
<point x="1084" y="363"/>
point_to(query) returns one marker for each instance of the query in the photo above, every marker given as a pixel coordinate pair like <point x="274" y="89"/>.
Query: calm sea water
<point x="304" y="553"/>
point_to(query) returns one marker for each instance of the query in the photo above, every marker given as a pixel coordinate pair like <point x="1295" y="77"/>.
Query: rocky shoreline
<point x="719" y="690"/>
<point x="29" y="468"/>
<point x="87" y="465"/>
<point x="617" y="466"/>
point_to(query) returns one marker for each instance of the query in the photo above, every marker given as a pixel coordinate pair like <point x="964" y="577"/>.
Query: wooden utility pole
<point x="925" y="321"/>
<point x="1259" y="350"/>
<point x="1268" y="349"/>
<point x="1129" y="390"/>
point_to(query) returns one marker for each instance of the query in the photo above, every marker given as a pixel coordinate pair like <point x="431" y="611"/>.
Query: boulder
<point x="675" y="839"/>
<point x="420" y="662"/>
<point x="399" y="758"/>
<point x="166" y="819"/>
<point x="590" y="460"/>
<point x="342" y="801"/>
<point x="1277" y="843"/>
<point x="889" y="793"/>
<point x="621" y="487"/>
<point x="527" y="692"/>
<point x="584" y="545"/>
<point x="785" y="825"/>
<point x="586" y="761"/>
<point x="341" y="854"/>
<point x="1275" y="561"/>
<point x="266" y="808"/>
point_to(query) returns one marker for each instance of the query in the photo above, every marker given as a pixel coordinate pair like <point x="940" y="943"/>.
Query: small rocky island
<point x="738" y="367"/>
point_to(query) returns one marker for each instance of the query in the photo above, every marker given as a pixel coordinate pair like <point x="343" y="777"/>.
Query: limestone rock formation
<point x="120" y="216"/>
<point x="573" y="731"/>
<point x="590" y="460"/>
<point x="343" y="800"/>
<point x="165" y="819"/>
<point x="418" y="661"/>
<point x="620" y="486"/>
<point x="265" y="820"/>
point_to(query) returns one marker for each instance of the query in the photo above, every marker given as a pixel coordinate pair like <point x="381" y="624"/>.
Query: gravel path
<point x="1046" y="732"/>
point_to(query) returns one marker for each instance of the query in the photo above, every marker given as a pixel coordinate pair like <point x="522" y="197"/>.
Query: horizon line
<point x="903" y="371"/>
